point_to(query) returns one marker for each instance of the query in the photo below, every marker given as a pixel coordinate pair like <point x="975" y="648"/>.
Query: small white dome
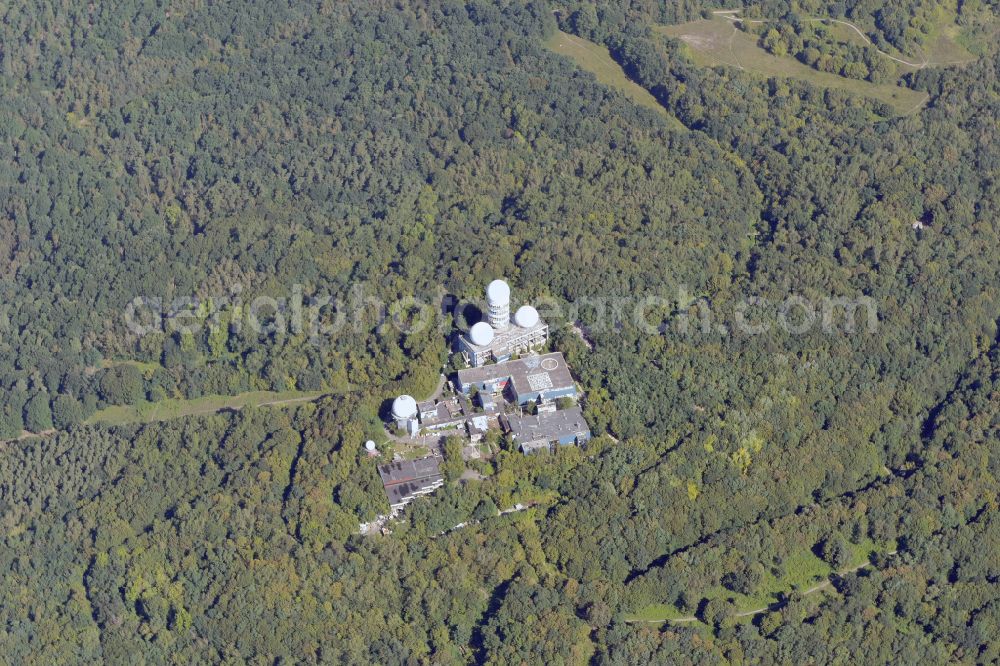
<point x="498" y="293"/>
<point x="404" y="407"/>
<point x="370" y="445"/>
<point x="526" y="316"/>
<point x="481" y="334"/>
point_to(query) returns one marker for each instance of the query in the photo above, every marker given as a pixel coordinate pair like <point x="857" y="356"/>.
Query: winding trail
<point x="869" y="42"/>
<point x="729" y="16"/>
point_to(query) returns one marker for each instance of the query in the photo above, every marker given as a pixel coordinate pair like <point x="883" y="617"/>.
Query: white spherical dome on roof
<point x="498" y="293"/>
<point x="481" y="334"/>
<point x="526" y="316"/>
<point x="404" y="407"/>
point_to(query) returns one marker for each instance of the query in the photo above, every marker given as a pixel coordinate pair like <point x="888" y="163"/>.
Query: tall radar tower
<point x="498" y="300"/>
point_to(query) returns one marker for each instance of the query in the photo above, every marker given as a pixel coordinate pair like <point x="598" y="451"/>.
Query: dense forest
<point x="384" y="152"/>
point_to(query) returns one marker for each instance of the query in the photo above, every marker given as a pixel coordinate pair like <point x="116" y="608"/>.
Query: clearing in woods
<point x="947" y="44"/>
<point x="717" y="41"/>
<point x="803" y="572"/>
<point x="597" y="60"/>
<point x="942" y="47"/>
<point x="164" y="410"/>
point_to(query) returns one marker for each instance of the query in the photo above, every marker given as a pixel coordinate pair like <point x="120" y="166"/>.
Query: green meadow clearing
<point x="803" y="571"/>
<point x="715" y="42"/>
<point x="597" y="60"/>
<point x="949" y="45"/>
<point x="164" y="410"/>
<point x="945" y="45"/>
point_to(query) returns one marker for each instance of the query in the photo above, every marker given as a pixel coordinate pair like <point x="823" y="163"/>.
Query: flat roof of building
<point x="446" y="411"/>
<point x="548" y="426"/>
<point x="406" y="471"/>
<point x="503" y="337"/>
<point x="403" y="492"/>
<point x="530" y="374"/>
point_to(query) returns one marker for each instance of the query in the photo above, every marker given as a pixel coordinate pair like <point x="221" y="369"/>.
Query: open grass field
<point x="416" y="452"/>
<point x="945" y="45"/>
<point x="148" y="412"/>
<point x="596" y="59"/>
<point x="714" y="42"/>
<point x="656" y="613"/>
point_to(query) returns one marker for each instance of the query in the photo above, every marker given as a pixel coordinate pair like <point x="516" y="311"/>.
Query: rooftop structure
<point x="443" y="414"/>
<point x="498" y="338"/>
<point x="538" y="378"/>
<point x="404" y="410"/>
<point x="427" y="409"/>
<point x="546" y="431"/>
<point x="406" y="480"/>
<point x="498" y="300"/>
<point x="526" y="316"/>
<point x="481" y="334"/>
<point x="478" y="425"/>
<point x="487" y="402"/>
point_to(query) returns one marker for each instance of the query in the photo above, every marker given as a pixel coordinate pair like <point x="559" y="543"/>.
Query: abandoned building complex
<point x="509" y="386"/>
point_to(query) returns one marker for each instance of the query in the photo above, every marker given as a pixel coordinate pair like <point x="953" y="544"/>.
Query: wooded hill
<point x="166" y="153"/>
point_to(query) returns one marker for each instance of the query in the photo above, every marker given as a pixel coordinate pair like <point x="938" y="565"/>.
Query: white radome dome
<point x="481" y="334"/>
<point x="526" y="316"/>
<point x="404" y="407"/>
<point x="370" y="445"/>
<point x="498" y="293"/>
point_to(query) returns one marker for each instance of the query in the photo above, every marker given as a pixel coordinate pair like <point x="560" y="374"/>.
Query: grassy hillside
<point x="596" y="59"/>
<point x="407" y="154"/>
<point x="948" y="44"/>
<point x="715" y="42"/>
<point x="149" y="412"/>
